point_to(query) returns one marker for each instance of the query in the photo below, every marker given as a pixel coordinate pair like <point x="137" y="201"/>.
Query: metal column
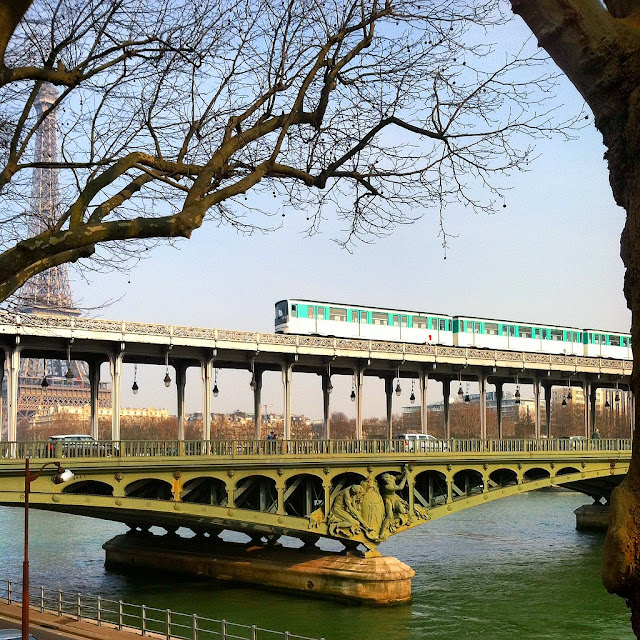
<point x="446" y="392"/>
<point x="115" y="365"/>
<point x="12" y="364"/>
<point x="547" y="406"/>
<point x="358" y="374"/>
<point x="499" y="394"/>
<point x="326" y="394"/>
<point x="423" y="381"/>
<point x="94" y="403"/>
<point x="181" y="383"/>
<point x="206" y="370"/>
<point x="286" y="390"/>
<point x="586" y="394"/>
<point x="536" y="399"/>
<point x="257" y="404"/>
<point x="482" y="379"/>
<point x="388" y="390"/>
<point x="592" y="400"/>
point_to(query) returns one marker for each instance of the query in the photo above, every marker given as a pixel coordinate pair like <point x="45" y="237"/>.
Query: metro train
<point x="312" y="317"/>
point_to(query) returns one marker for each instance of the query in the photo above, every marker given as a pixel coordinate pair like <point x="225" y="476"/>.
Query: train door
<point x="404" y="323"/>
<point x="362" y="323"/>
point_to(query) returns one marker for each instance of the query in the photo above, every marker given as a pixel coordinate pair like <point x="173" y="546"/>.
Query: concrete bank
<point x="377" y="580"/>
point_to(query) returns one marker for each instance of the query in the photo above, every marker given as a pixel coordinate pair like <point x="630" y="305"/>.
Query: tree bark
<point x="598" y="48"/>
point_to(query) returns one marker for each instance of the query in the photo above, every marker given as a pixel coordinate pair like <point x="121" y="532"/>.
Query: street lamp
<point x="63" y="475"/>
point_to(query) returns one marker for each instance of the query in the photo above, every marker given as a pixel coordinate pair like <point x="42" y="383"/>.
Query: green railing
<point x="260" y="448"/>
<point x="151" y="621"/>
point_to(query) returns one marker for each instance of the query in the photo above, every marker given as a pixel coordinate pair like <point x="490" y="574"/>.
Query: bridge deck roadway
<point x="300" y="488"/>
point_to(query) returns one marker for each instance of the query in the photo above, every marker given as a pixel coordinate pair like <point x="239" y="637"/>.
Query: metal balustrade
<point x="120" y="615"/>
<point x="301" y="448"/>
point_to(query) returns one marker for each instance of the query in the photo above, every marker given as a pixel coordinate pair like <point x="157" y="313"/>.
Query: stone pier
<point x="374" y="580"/>
<point x="592" y="517"/>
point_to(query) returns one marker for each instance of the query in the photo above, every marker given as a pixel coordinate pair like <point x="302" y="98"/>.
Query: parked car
<point x="420" y="442"/>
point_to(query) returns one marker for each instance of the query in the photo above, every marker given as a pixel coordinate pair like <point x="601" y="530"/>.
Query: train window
<point x="476" y="327"/>
<point x="537" y="333"/>
<point x="556" y="334"/>
<point x="380" y="318"/>
<point x="512" y="331"/>
<point x="491" y="328"/>
<point x="433" y="324"/>
<point x="394" y="320"/>
<point x="364" y="319"/>
<point x="614" y="341"/>
<point x="311" y="312"/>
<point x="419" y="322"/>
<point x="320" y="313"/>
<point x="294" y="310"/>
<point x="524" y="332"/>
<point x="404" y="321"/>
<point x="443" y="324"/>
<point x="337" y="315"/>
<point x="503" y="330"/>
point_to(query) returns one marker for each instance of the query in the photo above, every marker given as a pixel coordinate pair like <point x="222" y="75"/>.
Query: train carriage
<point x="604" y="344"/>
<point x="372" y="323"/>
<point x="517" y="336"/>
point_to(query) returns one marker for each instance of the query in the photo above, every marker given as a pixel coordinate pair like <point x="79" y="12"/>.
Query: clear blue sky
<point x="552" y="255"/>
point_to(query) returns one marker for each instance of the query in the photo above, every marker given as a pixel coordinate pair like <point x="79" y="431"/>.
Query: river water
<point x="512" y="569"/>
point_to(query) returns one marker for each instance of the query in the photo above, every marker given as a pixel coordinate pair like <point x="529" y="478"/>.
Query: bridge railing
<point x="120" y="615"/>
<point x="313" y="447"/>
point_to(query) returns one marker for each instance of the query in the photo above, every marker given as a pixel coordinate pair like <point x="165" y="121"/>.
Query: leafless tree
<point x="172" y="111"/>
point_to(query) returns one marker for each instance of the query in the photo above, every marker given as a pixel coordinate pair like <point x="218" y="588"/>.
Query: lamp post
<point x="63" y="475"/>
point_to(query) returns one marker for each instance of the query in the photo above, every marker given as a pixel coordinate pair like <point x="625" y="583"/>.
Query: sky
<point x="551" y="256"/>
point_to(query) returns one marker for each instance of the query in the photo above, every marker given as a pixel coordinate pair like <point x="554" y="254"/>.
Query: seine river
<point x="513" y="569"/>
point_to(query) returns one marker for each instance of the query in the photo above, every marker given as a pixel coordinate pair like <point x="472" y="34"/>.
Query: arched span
<point x="257" y="493"/>
<point x="303" y="495"/>
<point x="536" y="473"/>
<point x="502" y="478"/>
<point x="89" y="488"/>
<point x="467" y="483"/>
<point x="430" y="489"/>
<point x="565" y="471"/>
<point x="149" y="489"/>
<point x="206" y="490"/>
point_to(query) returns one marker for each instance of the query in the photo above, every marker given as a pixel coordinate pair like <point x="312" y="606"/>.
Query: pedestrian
<point x="596" y="434"/>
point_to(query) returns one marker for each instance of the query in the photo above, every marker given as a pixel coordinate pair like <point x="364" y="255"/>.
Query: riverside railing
<point x="259" y="448"/>
<point x="120" y="615"/>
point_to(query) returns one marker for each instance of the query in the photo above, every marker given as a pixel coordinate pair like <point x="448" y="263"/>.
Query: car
<point x="13" y="634"/>
<point x="572" y="442"/>
<point x="73" y="444"/>
<point x="420" y="442"/>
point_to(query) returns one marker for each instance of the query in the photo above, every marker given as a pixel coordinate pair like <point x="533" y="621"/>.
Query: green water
<point x="510" y="569"/>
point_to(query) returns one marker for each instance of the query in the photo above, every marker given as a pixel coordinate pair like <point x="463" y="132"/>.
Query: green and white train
<point x="311" y="317"/>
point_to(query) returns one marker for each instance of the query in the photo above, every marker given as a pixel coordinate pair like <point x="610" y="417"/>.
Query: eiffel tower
<point x="44" y="382"/>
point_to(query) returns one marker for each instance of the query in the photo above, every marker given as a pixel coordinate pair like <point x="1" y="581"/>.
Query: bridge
<point x="117" y="342"/>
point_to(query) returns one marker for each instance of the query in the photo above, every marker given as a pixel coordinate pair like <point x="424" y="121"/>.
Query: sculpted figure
<point x="345" y="518"/>
<point x="396" y="509"/>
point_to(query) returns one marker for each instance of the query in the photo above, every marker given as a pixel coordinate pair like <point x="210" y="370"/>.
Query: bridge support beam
<point x="536" y="400"/>
<point x="181" y="383"/>
<point x="12" y="364"/>
<point x="547" y="406"/>
<point x="115" y="365"/>
<point x="499" y="396"/>
<point x="388" y="390"/>
<point x="326" y="394"/>
<point x="257" y="404"/>
<point x="287" y="371"/>
<point x="206" y="370"/>
<point x="482" y="381"/>
<point x="94" y="402"/>
<point x="446" y="397"/>
<point x="586" y="394"/>
<point x="592" y="418"/>
<point x="358" y="376"/>
<point x="423" y="381"/>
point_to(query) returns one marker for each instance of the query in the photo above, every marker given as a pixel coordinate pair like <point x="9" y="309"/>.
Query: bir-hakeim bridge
<point x="357" y="491"/>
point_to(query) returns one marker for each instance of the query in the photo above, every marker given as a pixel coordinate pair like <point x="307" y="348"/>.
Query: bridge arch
<point x="256" y="493"/>
<point x="535" y="473"/>
<point x="304" y="494"/>
<point x="430" y="488"/>
<point x="565" y="471"/>
<point x="205" y="490"/>
<point x="503" y="477"/>
<point x="467" y="482"/>
<point x="149" y="489"/>
<point x="89" y="488"/>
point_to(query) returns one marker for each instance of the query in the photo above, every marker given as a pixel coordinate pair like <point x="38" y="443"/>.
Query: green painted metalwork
<point x="356" y="491"/>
